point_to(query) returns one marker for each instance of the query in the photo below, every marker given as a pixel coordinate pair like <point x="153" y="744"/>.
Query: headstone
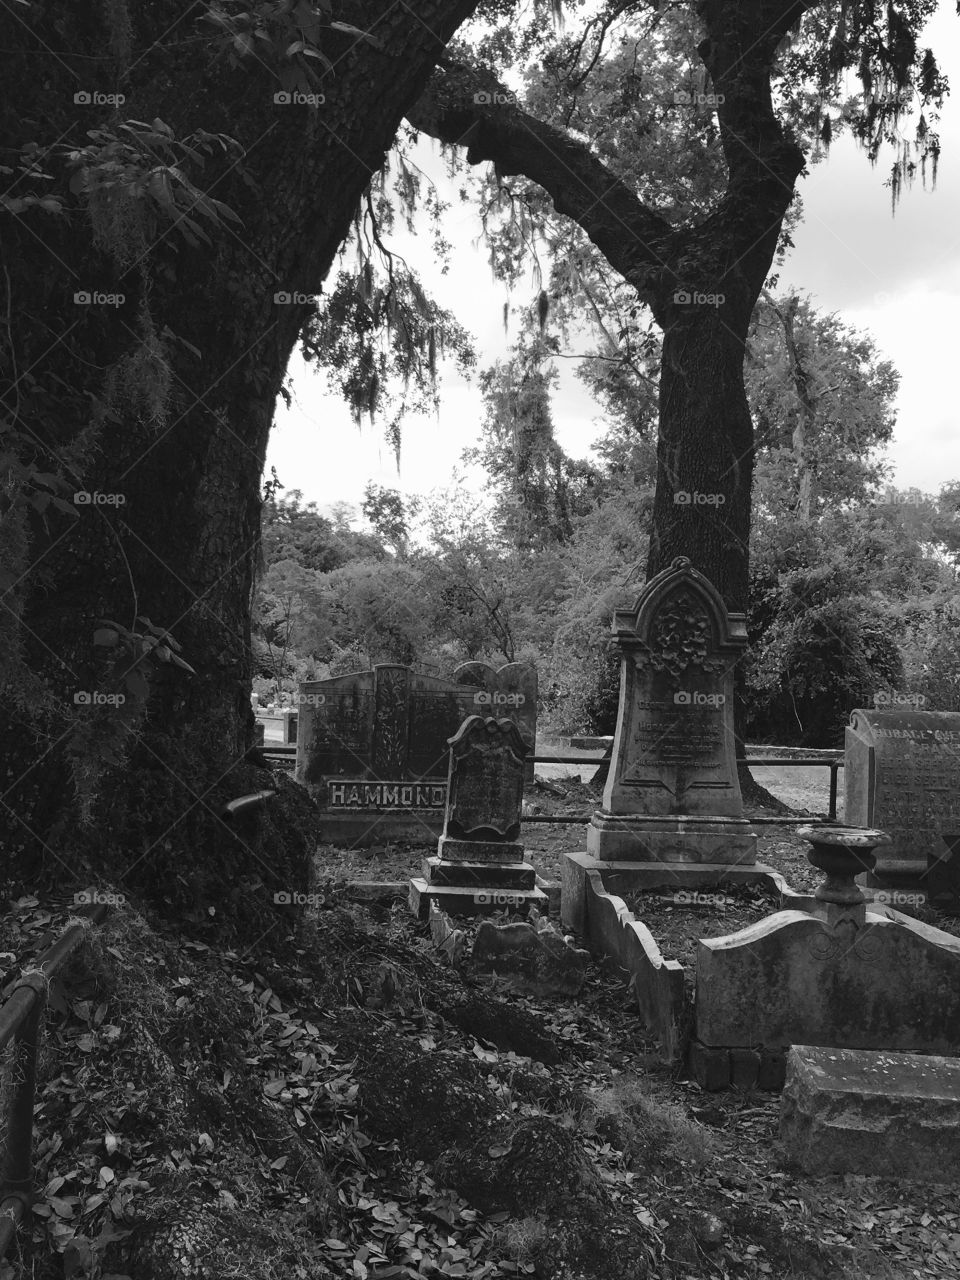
<point x="887" y="1115"/>
<point x="479" y="865"/>
<point x="373" y="749"/>
<point x="794" y="978"/>
<point x="902" y="774"/>
<point x="672" y="793"/>
<point x="531" y="957"/>
<point x="509" y="691"/>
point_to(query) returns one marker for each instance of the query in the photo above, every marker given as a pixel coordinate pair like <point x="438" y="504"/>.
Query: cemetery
<point x="530" y="846"/>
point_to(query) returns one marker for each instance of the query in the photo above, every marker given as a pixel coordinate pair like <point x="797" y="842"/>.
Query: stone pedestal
<point x="683" y="839"/>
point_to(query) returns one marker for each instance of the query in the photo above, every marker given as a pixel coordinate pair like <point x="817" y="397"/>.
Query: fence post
<point x="17" y="1182"/>
<point x="834" y="770"/>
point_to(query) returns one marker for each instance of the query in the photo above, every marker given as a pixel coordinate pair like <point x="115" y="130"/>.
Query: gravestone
<point x="509" y="691"/>
<point x="479" y="865"/>
<point x="372" y="747"/>
<point x="902" y="774"/>
<point x="843" y="974"/>
<point x="672" y="794"/>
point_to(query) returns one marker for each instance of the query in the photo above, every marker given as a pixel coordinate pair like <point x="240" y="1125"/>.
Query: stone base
<point x="888" y="1115"/>
<point x="480" y="875"/>
<point x="685" y="839"/>
<point x="716" y="1069"/>
<point x="450" y="849"/>
<point x="457" y="900"/>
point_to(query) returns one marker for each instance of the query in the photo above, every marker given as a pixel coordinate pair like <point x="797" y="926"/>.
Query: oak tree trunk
<point x="172" y="525"/>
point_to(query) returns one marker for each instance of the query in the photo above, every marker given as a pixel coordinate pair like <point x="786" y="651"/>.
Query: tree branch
<point x="466" y="106"/>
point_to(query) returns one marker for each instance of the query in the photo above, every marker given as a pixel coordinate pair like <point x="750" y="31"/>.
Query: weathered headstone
<point x="509" y="691"/>
<point x="372" y="749"/>
<point x="902" y="774"/>
<point x="672" y="793"/>
<point x="841" y="975"/>
<point x="479" y="865"/>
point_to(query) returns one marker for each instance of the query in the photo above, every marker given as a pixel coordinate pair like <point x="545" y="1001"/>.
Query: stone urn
<point x="842" y="853"/>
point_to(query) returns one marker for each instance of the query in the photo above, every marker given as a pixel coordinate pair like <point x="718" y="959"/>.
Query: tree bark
<point x="177" y="540"/>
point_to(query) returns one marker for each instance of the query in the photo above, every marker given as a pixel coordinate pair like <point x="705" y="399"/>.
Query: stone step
<point x="889" y="1115"/>
<point x="509" y="875"/>
<point x="456" y="900"/>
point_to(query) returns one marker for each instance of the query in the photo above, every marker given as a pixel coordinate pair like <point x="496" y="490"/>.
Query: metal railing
<point x="288" y="753"/>
<point x="21" y="1023"/>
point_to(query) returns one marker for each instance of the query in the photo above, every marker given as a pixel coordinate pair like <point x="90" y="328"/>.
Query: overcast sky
<point x="897" y="277"/>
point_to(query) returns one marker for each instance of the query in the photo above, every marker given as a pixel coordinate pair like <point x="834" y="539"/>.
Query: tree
<point x="694" y="243"/>
<point x="180" y="185"/>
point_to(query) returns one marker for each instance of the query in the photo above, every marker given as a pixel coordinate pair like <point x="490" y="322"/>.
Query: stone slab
<point x="457" y="901"/>
<point x="453" y="849"/>
<point x="480" y="875"/>
<point x="883" y="1114"/>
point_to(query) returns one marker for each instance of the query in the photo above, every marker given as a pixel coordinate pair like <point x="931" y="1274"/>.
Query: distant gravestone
<point x="372" y="749"/>
<point x="479" y="864"/>
<point x="902" y="774"/>
<point x="672" y="792"/>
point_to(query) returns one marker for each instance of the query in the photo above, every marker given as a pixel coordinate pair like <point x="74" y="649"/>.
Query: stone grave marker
<point x="372" y="748"/>
<point x="509" y="691"/>
<point x="479" y="865"/>
<point x="844" y="975"/>
<point x="672" y="794"/>
<point x="902" y="774"/>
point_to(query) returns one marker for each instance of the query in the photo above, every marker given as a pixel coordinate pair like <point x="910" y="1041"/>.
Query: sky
<point x="896" y="277"/>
